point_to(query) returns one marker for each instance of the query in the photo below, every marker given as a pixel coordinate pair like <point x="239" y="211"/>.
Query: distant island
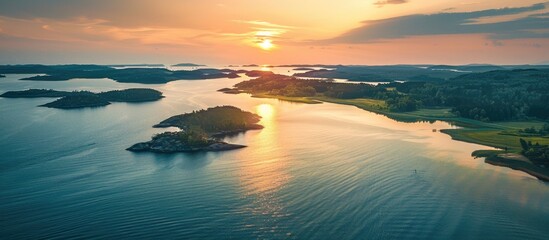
<point x="304" y="69"/>
<point x="188" y="65"/>
<point x="2" y="76"/>
<point x="129" y="75"/>
<point x="83" y="99"/>
<point x="495" y="108"/>
<point x="200" y="131"/>
<point x="156" y="75"/>
<point x="390" y="73"/>
<point x="137" y="65"/>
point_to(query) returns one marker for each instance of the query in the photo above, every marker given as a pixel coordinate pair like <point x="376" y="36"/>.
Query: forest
<point x="490" y="96"/>
<point x="214" y="120"/>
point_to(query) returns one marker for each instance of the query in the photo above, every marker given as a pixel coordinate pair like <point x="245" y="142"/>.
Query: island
<point x="230" y="90"/>
<point x="2" y="76"/>
<point x="304" y="69"/>
<point x="146" y="75"/>
<point x="495" y="108"/>
<point x="137" y="65"/>
<point x="200" y="131"/>
<point x="83" y="99"/>
<point x="188" y="65"/>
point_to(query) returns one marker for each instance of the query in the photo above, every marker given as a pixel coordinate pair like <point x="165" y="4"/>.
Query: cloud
<point x="84" y="30"/>
<point x="264" y="24"/>
<point x="386" y="2"/>
<point x="533" y="25"/>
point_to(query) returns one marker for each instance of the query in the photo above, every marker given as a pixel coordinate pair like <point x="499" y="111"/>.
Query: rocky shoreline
<point x="172" y="145"/>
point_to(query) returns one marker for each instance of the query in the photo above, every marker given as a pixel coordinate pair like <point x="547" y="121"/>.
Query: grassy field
<point x="492" y="137"/>
<point x="363" y="103"/>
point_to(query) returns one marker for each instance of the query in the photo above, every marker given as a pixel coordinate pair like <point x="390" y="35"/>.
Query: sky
<point x="367" y="32"/>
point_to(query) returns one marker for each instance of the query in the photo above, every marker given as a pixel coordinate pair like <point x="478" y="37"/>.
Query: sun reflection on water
<point x="266" y="111"/>
<point x="266" y="171"/>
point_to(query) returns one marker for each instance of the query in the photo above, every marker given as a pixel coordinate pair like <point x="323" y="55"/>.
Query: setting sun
<point x="266" y="44"/>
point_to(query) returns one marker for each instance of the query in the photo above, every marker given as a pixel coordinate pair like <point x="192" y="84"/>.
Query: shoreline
<point x="529" y="168"/>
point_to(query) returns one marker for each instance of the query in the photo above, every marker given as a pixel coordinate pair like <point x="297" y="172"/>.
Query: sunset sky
<point x="274" y="32"/>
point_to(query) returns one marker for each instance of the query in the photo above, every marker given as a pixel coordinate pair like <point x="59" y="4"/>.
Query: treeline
<point x="535" y="152"/>
<point x="532" y="131"/>
<point x="490" y="96"/>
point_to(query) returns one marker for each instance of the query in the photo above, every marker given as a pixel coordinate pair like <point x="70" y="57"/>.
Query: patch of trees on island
<point x="200" y="131"/>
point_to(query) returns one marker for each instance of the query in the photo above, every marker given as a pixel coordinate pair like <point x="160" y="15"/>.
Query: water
<point x="320" y="171"/>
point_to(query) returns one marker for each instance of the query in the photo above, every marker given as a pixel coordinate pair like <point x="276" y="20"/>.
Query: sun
<point x="266" y="44"/>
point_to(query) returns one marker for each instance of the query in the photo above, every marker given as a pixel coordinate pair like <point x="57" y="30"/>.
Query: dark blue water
<point x="315" y="172"/>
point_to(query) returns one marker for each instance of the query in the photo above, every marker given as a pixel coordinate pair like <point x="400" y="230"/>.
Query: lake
<point x="322" y="171"/>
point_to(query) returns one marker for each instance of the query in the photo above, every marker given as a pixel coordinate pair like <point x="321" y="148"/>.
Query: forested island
<point x="390" y="73"/>
<point x="83" y="99"/>
<point x="129" y="75"/>
<point x="200" y="131"/>
<point x="489" y="105"/>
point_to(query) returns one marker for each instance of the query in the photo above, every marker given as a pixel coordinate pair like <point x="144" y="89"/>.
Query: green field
<point x="497" y="134"/>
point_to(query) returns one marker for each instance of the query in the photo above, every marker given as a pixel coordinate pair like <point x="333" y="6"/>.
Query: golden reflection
<point x="266" y="111"/>
<point x="267" y="172"/>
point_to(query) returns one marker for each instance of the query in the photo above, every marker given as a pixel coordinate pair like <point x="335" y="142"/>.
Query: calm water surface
<point x="321" y="171"/>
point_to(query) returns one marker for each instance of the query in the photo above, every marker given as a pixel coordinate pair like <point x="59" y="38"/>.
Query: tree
<point x="524" y="145"/>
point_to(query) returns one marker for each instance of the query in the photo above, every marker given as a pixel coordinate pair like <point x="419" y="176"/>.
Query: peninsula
<point x="200" y="131"/>
<point x="83" y="99"/>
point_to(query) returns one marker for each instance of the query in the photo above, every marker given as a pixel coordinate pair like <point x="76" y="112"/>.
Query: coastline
<point x="527" y="167"/>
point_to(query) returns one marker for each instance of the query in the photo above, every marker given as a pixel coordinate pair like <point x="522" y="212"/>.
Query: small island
<point x="200" y="131"/>
<point x="137" y="65"/>
<point x="83" y="99"/>
<point x="304" y="69"/>
<point x="2" y="76"/>
<point x="230" y="90"/>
